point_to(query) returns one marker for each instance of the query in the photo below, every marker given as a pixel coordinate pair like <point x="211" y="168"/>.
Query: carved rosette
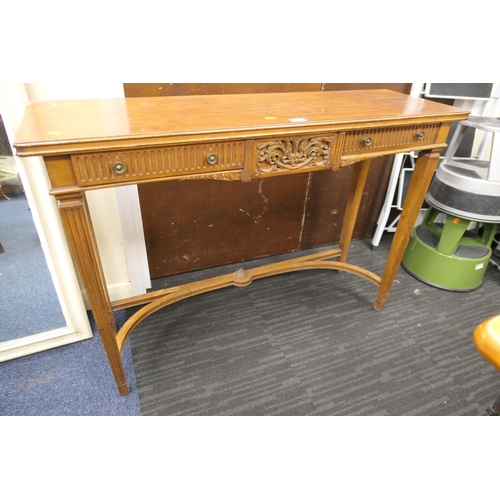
<point x="292" y="154"/>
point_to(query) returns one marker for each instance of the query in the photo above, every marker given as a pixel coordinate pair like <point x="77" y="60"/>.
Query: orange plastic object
<point x="487" y="340"/>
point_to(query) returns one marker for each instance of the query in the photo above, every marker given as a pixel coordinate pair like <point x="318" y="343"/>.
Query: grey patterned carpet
<point x="310" y="343"/>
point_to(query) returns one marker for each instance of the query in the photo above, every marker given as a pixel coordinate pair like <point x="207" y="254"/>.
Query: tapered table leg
<point x="358" y="181"/>
<point x="81" y="239"/>
<point x="419" y="184"/>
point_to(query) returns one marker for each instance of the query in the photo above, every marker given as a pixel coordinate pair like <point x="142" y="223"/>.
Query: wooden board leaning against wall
<point x="200" y="224"/>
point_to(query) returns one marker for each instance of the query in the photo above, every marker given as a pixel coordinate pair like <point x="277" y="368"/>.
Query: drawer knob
<point x="119" y="168"/>
<point x="420" y="135"/>
<point x="212" y="159"/>
<point x="367" y="141"/>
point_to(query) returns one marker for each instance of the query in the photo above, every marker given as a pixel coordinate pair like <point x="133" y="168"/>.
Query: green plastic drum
<point x="447" y="255"/>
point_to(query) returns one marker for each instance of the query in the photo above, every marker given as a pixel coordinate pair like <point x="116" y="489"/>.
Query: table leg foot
<point x="123" y="389"/>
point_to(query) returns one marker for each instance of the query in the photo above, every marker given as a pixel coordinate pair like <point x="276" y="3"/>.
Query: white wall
<point x="73" y="90"/>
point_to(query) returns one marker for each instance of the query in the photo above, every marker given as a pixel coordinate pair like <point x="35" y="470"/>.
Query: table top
<point x="56" y="127"/>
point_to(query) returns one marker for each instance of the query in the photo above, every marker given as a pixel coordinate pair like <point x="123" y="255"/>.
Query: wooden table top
<point x="57" y="127"/>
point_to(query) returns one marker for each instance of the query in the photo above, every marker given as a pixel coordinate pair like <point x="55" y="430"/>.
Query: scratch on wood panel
<point x="304" y="212"/>
<point x="246" y="213"/>
<point x="255" y="218"/>
<point x="265" y="208"/>
<point x="261" y="193"/>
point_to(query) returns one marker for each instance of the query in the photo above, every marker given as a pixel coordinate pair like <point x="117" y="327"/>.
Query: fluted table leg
<point x="81" y="239"/>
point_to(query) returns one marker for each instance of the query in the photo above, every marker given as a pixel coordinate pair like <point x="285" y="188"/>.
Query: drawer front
<point x="141" y="164"/>
<point x="389" y="138"/>
<point x="295" y="154"/>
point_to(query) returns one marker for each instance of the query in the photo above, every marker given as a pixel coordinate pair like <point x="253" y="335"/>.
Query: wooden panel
<point x="327" y="198"/>
<point x="306" y="213"/>
<point x="404" y="88"/>
<point x="200" y="224"/>
<point x="174" y="89"/>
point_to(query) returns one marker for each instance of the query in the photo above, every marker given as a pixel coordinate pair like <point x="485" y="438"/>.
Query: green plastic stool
<point x="447" y="255"/>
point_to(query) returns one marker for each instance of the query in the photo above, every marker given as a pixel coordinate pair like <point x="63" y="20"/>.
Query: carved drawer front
<point x="389" y="138"/>
<point x="296" y="154"/>
<point x="202" y="160"/>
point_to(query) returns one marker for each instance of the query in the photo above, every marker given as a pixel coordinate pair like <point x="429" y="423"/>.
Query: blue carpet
<point x="73" y="380"/>
<point x="24" y="275"/>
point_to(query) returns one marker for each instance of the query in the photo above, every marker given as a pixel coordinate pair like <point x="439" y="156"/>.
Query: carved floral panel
<point x="294" y="153"/>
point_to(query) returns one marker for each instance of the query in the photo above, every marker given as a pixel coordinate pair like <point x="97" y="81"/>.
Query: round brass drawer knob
<point x="212" y="159"/>
<point x="367" y="141"/>
<point x="420" y="135"/>
<point x="119" y="168"/>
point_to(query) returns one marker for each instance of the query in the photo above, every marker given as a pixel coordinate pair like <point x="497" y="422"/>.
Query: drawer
<point x="141" y="164"/>
<point x="390" y="138"/>
<point x="295" y="154"/>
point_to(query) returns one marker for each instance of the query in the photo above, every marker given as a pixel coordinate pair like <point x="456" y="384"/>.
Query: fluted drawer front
<point x="389" y="138"/>
<point x="135" y="165"/>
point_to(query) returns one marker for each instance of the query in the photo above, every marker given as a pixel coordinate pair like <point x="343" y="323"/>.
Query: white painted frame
<point x="36" y="185"/>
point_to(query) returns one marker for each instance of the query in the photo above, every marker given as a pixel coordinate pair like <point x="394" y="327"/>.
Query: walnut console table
<point x="93" y="144"/>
